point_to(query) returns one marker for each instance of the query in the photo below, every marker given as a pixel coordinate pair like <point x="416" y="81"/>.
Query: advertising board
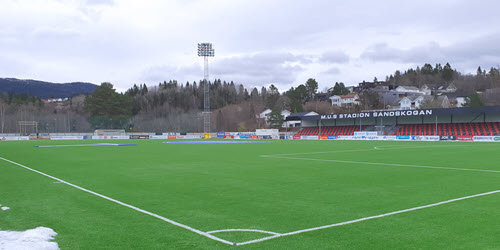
<point x="403" y="137"/>
<point x="65" y="137"/>
<point x="370" y="133"/>
<point x="447" y="138"/>
<point x="14" y="138"/>
<point x="309" y="137"/>
<point x="139" y="137"/>
<point x="266" y="131"/>
<point x="464" y="138"/>
<point x="484" y="138"/>
<point x="426" y="138"/>
<point x="345" y="137"/>
<point x="191" y="137"/>
<point x="156" y="137"/>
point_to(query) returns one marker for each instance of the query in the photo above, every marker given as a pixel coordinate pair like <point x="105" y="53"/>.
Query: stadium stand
<point x="457" y="129"/>
<point x="330" y="130"/>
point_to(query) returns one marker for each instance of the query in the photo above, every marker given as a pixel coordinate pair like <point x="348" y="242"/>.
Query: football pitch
<point x="277" y="195"/>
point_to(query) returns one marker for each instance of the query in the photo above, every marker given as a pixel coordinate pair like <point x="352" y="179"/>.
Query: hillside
<point x="45" y="89"/>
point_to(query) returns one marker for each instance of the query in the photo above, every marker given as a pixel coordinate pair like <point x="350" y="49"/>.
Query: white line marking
<point x="363" y="150"/>
<point x="324" y="152"/>
<point x="432" y="146"/>
<point x="125" y="204"/>
<point x="385" y="164"/>
<point x="243" y="230"/>
<point x="367" y="218"/>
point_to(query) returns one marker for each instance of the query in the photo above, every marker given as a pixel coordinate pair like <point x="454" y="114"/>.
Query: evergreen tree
<point x="479" y="71"/>
<point x="273" y="96"/>
<point x="311" y="87"/>
<point x="447" y="73"/>
<point x="275" y="118"/>
<point x="474" y="100"/>
<point x="339" y="89"/>
<point x="105" y="101"/>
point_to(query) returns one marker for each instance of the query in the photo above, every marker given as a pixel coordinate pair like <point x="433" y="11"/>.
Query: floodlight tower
<point x="205" y="50"/>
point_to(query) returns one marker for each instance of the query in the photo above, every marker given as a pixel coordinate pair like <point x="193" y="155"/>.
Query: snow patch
<point x="38" y="238"/>
<point x="5" y="208"/>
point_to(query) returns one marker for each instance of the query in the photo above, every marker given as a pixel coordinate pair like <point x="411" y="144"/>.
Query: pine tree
<point x="275" y="118"/>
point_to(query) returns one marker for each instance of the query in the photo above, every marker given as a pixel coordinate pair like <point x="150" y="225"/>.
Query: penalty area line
<point x="367" y="218"/>
<point x="124" y="204"/>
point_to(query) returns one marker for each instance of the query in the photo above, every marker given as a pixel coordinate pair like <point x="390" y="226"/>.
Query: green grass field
<point x="281" y="187"/>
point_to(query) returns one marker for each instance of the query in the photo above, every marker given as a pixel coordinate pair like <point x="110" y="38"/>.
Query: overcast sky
<point x="257" y="42"/>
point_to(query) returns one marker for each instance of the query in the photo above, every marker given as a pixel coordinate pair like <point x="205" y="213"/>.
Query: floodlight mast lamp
<point x="205" y="50"/>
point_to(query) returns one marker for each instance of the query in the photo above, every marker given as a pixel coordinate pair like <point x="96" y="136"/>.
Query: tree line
<point x="174" y="106"/>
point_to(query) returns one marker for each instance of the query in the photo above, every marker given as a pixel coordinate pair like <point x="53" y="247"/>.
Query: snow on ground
<point x="38" y="238"/>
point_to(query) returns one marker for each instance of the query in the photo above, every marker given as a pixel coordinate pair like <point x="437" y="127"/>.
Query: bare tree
<point x="2" y="115"/>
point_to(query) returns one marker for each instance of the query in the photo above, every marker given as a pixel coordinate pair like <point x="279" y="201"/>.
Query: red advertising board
<point x="296" y="137"/>
<point x="465" y="138"/>
<point x="323" y="137"/>
<point x="172" y="137"/>
<point x="254" y="137"/>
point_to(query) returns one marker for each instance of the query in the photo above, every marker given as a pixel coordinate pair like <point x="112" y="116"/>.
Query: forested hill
<point x="45" y="89"/>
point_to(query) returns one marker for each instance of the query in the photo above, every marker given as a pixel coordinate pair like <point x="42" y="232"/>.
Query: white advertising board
<point x="157" y="137"/>
<point x="370" y="133"/>
<point x="14" y="138"/>
<point x="267" y="132"/>
<point x="426" y="138"/>
<point x="484" y="138"/>
<point x="309" y="137"/>
<point x="66" y="137"/>
<point x="110" y="137"/>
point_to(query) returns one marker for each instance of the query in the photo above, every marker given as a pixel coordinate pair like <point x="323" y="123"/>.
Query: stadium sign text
<point x="375" y="114"/>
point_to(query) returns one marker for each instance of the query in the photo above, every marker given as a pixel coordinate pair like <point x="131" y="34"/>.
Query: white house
<point x="457" y="101"/>
<point x="265" y="114"/>
<point x="345" y="100"/>
<point x="409" y="102"/>
<point x="285" y="113"/>
<point x="451" y="88"/>
<point x="461" y="101"/>
<point x="405" y="103"/>
<point x="424" y="90"/>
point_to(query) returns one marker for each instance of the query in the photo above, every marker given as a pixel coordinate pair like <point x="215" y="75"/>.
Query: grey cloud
<point x="334" y="57"/>
<point x="162" y="73"/>
<point x="476" y="51"/>
<point x="113" y="40"/>
<point x="261" y="68"/>
<point x="383" y="52"/>
<point x="257" y="69"/>
<point x="99" y="2"/>
<point x="54" y="33"/>
<point x="332" y="71"/>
